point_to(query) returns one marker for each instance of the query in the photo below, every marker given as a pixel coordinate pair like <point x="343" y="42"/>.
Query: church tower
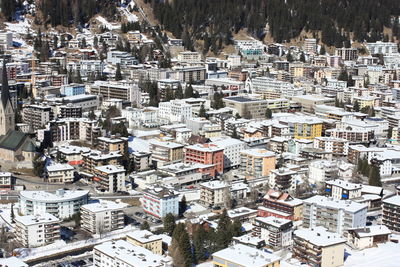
<point x="7" y="113"/>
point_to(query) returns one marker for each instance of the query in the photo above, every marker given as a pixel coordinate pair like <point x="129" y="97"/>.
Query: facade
<point x="122" y="253"/>
<point x="70" y="111"/>
<point x="147" y="240"/>
<point x="176" y="110"/>
<point x="232" y="148"/>
<point x="73" y="89"/>
<point x="113" y="144"/>
<point x="62" y="204"/>
<point x="281" y="205"/>
<point x="37" y="230"/>
<point x="367" y="237"/>
<point x="391" y="213"/>
<point x="208" y="154"/>
<point x="102" y="217"/>
<point x="241" y="255"/>
<point x="246" y="107"/>
<point x="213" y="193"/>
<point x="336" y="146"/>
<point x="321" y="171"/>
<point x="96" y="159"/>
<point x="318" y="247"/>
<point x="110" y="178"/>
<point x="282" y="179"/>
<point x="339" y="189"/>
<point x="37" y="115"/>
<point x="128" y="92"/>
<point x="336" y="215"/>
<point x="276" y="232"/>
<point x="257" y="162"/>
<point x="160" y="201"/>
<point x="6" y="181"/>
<point x="60" y="173"/>
<point x="165" y="152"/>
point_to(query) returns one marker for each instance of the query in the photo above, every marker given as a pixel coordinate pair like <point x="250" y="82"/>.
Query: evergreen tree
<point x="118" y="75"/>
<point x="374" y="177"/>
<point x="179" y="92"/>
<point x="55" y="41"/>
<point x="236" y="228"/>
<point x="356" y="106"/>
<point x="343" y="76"/>
<point x="145" y="226"/>
<point x="169" y="94"/>
<point x="289" y="56"/>
<point x="92" y="116"/>
<point x="199" y="244"/>
<point x="337" y="104"/>
<point x="268" y="113"/>
<point x="12" y="215"/>
<point x="202" y="111"/>
<point x="38" y="165"/>
<point x="235" y="134"/>
<point x="322" y="51"/>
<point x="189" y="91"/>
<point x="302" y="57"/>
<point x="224" y="233"/>
<point x="180" y="249"/>
<point x="169" y="223"/>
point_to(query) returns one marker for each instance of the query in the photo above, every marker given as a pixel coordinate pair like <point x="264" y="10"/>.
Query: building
<point x="113" y="144"/>
<point x="347" y="53"/>
<point x="122" y="253"/>
<point x="37" y="230"/>
<point x="110" y="178"/>
<point x="276" y="232"/>
<point x="309" y="102"/>
<point x="318" y="247"/>
<point x="336" y="146"/>
<point x="141" y="161"/>
<point x="320" y="171"/>
<point x="241" y="255"/>
<point x="73" y="89"/>
<point x="125" y="91"/>
<point x="281" y="205"/>
<point x="102" y="217"/>
<point x="213" y="193"/>
<point x="391" y="213"/>
<point x="339" y="189"/>
<point x="96" y="159"/>
<point x="70" y="111"/>
<point x="12" y="262"/>
<point x="86" y="102"/>
<point x="60" y="173"/>
<point x="232" y="148"/>
<point x="283" y="179"/>
<point x="37" y="116"/>
<point x="310" y="45"/>
<point x="189" y="57"/>
<point x="208" y="154"/>
<point x="6" y="40"/>
<point x="147" y="240"/>
<point x="250" y="108"/>
<point x="176" y="110"/>
<point x="382" y="48"/>
<point x="366" y="237"/>
<point x="159" y="201"/>
<point x="6" y="181"/>
<point x="257" y="163"/>
<point x="336" y="215"/>
<point x="164" y="152"/>
<point x="62" y="204"/>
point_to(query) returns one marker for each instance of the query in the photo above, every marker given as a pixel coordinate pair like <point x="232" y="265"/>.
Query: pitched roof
<point x="5" y="93"/>
<point x="12" y="140"/>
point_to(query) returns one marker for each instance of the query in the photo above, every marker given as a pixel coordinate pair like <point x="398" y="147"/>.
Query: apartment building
<point x="164" y="152"/>
<point x="147" y="240"/>
<point x="277" y="232"/>
<point x="6" y="181"/>
<point x="347" y="53"/>
<point x="62" y="204"/>
<point x="232" y="148"/>
<point x="60" y="173"/>
<point x="281" y="205"/>
<point x="73" y="89"/>
<point x="283" y="179"/>
<point x="86" y="102"/>
<point x="336" y="215"/>
<point x="124" y="91"/>
<point x="122" y="253"/>
<point x="96" y="158"/>
<point x="257" y="163"/>
<point x="71" y="154"/>
<point x="320" y="171"/>
<point x="141" y="161"/>
<point x="176" y="110"/>
<point x="213" y="193"/>
<point x="113" y="144"/>
<point x="391" y="213"/>
<point x="310" y="45"/>
<point x="309" y="102"/>
<point x="70" y="111"/>
<point x="366" y="237"/>
<point x="6" y="40"/>
<point x="159" y="201"/>
<point x="188" y="74"/>
<point x="251" y="108"/>
<point x="382" y="48"/>
<point x="102" y="217"/>
<point x="318" y="247"/>
<point x="110" y="178"/>
<point x="37" y="116"/>
<point x="189" y="57"/>
<point x="336" y="146"/>
<point x="355" y="136"/>
<point x="208" y="154"/>
<point x="241" y="255"/>
<point x="37" y="230"/>
<point x="340" y="189"/>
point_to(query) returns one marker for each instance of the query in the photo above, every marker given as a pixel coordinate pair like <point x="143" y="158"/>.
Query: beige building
<point x="165" y="152"/>
<point x="147" y="240"/>
<point x="112" y="144"/>
<point x="318" y="247"/>
<point x="213" y="193"/>
<point x="60" y="173"/>
<point x="308" y="102"/>
<point x="102" y="217"/>
<point x="257" y="162"/>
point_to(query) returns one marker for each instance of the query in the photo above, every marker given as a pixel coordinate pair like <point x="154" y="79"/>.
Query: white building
<point x="60" y="173"/>
<point x="62" y="204"/>
<point x="336" y="215"/>
<point x="366" y="237"/>
<point x="37" y="230"/>
<point x="6" y="181"/>
<point x="183" y="135"/>
<point x="175" y="111"/>
<point x="339" y="189"/>
<point x="110" y="177"/>
<point x="102" y="217"/>
<point x="387" y="160"/>
<point x="277" y="232"/>
<point x="6" y="40"/>
<point x="12" y="262"/>
<point x="122" y="253"/>
<point x="382" y="48"/>
<point x="232" y="148"/>
<point x="336" y="146"/>
<point x="321" y="170"/>
<point x="160" y="201"/>
<point x="213" y="193"/>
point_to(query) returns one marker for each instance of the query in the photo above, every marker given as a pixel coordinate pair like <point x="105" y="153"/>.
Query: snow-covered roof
<point x="347" y="205"/>
<point x="37" y="219"/>
<point x="143" y="236"/>
<point x="319" y="236"/>
<point x="60" y="195"/>
<point x="103" y="205"/>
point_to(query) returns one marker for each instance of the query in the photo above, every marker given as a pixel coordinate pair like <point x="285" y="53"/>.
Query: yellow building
<point x="257" y="162"/>
<point x="147" y="240"/>
<point x="307" y="129"/>
<point x="244" y="256"/>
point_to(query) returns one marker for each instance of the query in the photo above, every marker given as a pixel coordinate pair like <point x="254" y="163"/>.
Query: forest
<point x="337" y="20"/>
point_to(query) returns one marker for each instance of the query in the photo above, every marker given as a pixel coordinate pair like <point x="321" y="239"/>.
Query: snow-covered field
<point x="110" y="26"/>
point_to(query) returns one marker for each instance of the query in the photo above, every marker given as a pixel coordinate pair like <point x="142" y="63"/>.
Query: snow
<point x="20" y="27"/>
<point x="384" y="255"/>
<point x="108" y="25"/>
<point x="128" y="15"/>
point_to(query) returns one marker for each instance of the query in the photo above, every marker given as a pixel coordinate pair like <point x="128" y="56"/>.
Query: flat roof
<point x="319" y="236"/>
<point x="37" y="219"/>
<point x="59" y="167"/>
<point x="144" y="236"/>
<point x="347" y="205"/>
<point x="59" y="196"/>
<point x="103" y="205"/>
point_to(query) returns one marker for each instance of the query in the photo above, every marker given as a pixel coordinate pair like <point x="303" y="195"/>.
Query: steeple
<point x="5" y="93"/>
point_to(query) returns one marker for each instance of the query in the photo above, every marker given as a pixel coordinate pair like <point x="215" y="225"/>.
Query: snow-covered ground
<point x="128" y="15"/>
<point x="110" y="26"/>
<point x="384" y="255"/>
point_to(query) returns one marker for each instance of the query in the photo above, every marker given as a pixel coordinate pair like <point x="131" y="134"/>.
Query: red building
<point x="281" y="205"/>
<point x="208" y="154"/>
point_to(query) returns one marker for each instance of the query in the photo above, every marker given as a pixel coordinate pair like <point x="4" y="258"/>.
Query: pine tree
<point x="199" y="244"/>
<point x="235" y="134"/>
<point x="118" y="75"/>
<point x="179" y="92"/>
<point x="202" y="111"/>
<point x="236" y="228"/>
<point x="322" y="51"/>
<point x="356" y="106"/>
<point x="189" y="91"/>
<point x="302" y="57"/>
<point x="343" y="76"/>
<point x="224" y="234"/>
<point x="374" y="177"/>
<point x="268" y="113"/>
<point x="169" y="94"/>
<point x="337" y="104"/>
<point x="145" y="226"/>
<point x="169" y="224"/>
